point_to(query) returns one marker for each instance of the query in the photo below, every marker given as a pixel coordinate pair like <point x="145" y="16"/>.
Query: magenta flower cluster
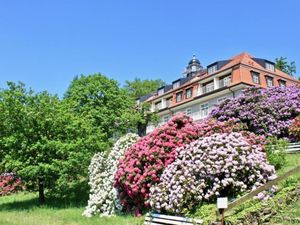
<point x="219" y="165"/>
<point x="146" y="160"/>
<point x="265" y="111"/>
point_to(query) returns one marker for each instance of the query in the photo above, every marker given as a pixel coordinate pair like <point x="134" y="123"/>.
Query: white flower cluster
<point x="103" y="196"/>
<point x="219" y="165"/>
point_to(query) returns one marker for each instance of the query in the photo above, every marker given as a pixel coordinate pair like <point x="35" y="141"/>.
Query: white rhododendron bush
<point x="103" y="196"/>
<point x="218" y="165"/>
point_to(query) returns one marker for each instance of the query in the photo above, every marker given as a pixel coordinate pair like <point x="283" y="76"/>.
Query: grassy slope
<point x="22" y="209"/>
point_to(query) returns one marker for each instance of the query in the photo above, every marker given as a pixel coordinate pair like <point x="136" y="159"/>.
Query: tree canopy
<point x="282" y="64"/>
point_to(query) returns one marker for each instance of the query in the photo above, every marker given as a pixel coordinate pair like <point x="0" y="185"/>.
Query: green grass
<point x="23" y="209"/>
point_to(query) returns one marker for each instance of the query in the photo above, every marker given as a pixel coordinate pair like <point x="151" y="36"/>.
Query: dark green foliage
<point x="282" y="64"/>
<point x="138" y="88"/>
<point x="275" y="152"/>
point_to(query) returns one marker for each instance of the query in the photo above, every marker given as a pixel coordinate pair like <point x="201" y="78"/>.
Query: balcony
<point x="214" y="86"/>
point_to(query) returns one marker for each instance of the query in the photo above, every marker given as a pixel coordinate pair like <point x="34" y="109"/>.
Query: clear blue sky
<point x="46" y="43"/>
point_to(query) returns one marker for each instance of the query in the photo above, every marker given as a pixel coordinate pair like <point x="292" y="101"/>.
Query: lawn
<point x="22" y="209"/>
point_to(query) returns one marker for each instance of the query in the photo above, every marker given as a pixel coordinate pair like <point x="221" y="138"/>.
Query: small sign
<point x="222" y="203"/>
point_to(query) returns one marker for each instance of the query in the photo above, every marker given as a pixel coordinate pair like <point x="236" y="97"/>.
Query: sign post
<point x="222" y="204"/>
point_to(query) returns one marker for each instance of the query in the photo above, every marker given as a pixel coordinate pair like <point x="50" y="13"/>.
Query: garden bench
<point x="293" y="147"/>
<point x="159" y="219"/>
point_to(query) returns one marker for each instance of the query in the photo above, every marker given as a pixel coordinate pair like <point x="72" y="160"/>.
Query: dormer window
<point x="160" y="91"/>
<point x="270" y="66"/>
<point x="212" y="69"/>
<point x="176" y="84"/>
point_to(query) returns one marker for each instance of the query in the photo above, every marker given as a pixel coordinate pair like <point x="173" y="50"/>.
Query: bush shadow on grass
<point x="31" y="203"/>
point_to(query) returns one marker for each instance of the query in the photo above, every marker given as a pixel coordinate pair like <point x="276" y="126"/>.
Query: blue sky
<point x="46" y="43"/>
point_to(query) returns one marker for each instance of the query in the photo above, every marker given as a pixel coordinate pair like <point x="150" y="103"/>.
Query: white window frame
<point x="209" y="87"/>
<point x="191" y="92"/>
<point x="255" y="77"/>
<point x="282" y="83"/>
<point x="269" y="79"/>
<point x="222" y="99"/>
<point x="227" y="80"/>
<point x="166" y="118"/>
<point x="188" y="111"/>
<point x="204" y="108"/>
<point x="177" y="94"/>
<point x="176" y="84"/>
<point x="161" y="91"/>
<point x="270" y="66"/>
<point x="158" y="105"/>
<point x="212" y="69"/>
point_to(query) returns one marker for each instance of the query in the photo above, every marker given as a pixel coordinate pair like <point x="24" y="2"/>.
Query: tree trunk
<point x="41" y="192"/>
<point x="141" y="127"/>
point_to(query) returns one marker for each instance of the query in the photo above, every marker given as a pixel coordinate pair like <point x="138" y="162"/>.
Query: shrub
<point x="145" y="161"/>
<point x="9" y="183"/>
<point x="275" y="152"/>
<point x="295" y="129"/>
<point x="219" y="165"/>
<point x="103" y="196"/>
<point x="265" y="111"/>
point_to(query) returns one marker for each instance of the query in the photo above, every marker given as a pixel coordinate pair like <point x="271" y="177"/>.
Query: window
<point x="160" y="91"/>
<point x="176" y="84"/>
<point x="255" y="77"/>
<point x="157" y="105"/>
<point x="222" y="99"/>
<point x="270" y="82"/>
<point x="178" y="97"/>
<point x="188" y="111"/>
<point x="168" y="102"/>
<point x="189" y="93"/>
<point x="166" y="118"/>
<point x="282" y="83"/>
<point x="208" y="87"/>
<point x="212" y="69"/>
<point x="225" y="81"/>
<point x="204" y="109"/>
<point x="270" y="66"/>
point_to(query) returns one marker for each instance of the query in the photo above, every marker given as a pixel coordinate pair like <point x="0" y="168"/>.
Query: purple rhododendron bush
<point x="219" y="165"/>
<point x="268" y="112"/>
<point x="146" y="160"/>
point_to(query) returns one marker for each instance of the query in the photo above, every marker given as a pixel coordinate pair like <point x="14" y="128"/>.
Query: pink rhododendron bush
<point x="9" y="183"/>
<point x="295" y="129"/>
<point x="219" y="165"/>
<point x="146" y="160"/>
<point x="103" y="196"/>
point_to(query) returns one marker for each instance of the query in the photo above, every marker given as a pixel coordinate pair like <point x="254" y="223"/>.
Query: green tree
<point x="44" y="141"/>
<point x="283" y="65"/>
<point x="138" y="88"/>
<point x="102" y="102"/>
<point x="141" y="114"/>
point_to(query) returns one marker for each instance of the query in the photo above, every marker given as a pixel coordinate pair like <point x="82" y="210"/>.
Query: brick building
<point x="199" y="90"/>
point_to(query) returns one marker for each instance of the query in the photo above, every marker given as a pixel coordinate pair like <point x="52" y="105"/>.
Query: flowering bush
<point x="265" y="111"/>
<point x="103" y="196"/>
<point x="295" y="129"/>
<point x="219" y="165"/>
<point x="145" y="161"/>
<point x="9" y="183"/>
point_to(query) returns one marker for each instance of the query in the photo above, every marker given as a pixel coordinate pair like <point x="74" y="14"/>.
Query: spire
<point x="193" y="67"/>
